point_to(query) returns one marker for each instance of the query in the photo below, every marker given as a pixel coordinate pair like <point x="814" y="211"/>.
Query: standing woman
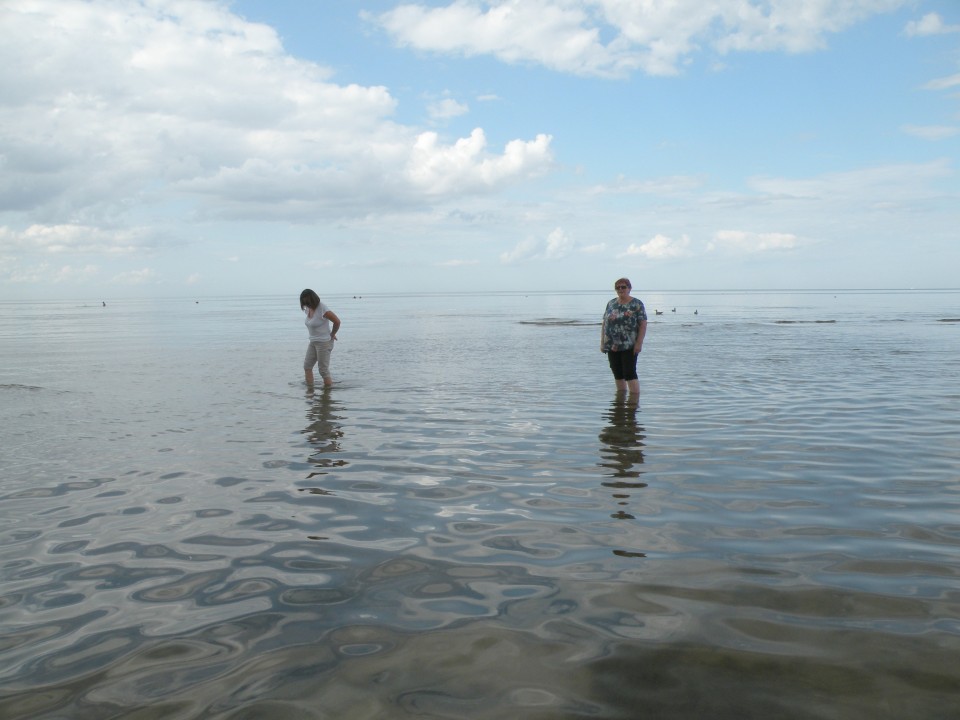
<point x="322" y="325"/>
<point x="621" y="336"/>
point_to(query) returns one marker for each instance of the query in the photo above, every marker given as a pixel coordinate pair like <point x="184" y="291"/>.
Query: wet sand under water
<point x="471" y="524"/>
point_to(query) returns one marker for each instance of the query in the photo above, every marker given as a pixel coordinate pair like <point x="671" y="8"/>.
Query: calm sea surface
<point x="470" y="523"/>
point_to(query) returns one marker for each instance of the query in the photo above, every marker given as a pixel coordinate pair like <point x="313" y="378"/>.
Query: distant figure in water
<point x="104" y="302"/>
<point x="621" y="336"/>
<point x="322" y="325"/>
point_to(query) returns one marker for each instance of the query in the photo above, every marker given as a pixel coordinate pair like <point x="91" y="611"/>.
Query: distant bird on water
<point x="658" y="312"/>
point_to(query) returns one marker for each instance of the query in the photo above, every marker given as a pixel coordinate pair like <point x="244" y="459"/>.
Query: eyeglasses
<point x="621" y="287"/>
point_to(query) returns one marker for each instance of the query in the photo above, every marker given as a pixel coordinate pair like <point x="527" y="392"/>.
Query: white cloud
<point x="877" y="184"/>
<point x="74" y="274"/>
<point x="663" y="186"/>
<point x="446" y="109"/>
<point x="751" y="242"/>
<point x="526" y="249"/>
<point x="134" y="277"/>
<point x="594" y="249"/>
<point x="115" y="154"/>
<point x="185" y="102"/>
<point x="616" y="37"/>
<point x="70" y="238"/>
<point x="441" y="169"/>
<point x="660" y="247"/>
<point x="552" y="33"/>
<point x="944" y="83"/>
<point x="760" y="25"/>
<point x="558" y="244"/>
<point x="555" y="246"/>
<point x="929" y="24"/>
<point x="457" y="263"/>
<point x="45" y="273"/>
<point x="931" y="132"/>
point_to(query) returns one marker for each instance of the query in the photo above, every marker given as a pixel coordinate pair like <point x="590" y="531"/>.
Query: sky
<point x="203" y="148"/>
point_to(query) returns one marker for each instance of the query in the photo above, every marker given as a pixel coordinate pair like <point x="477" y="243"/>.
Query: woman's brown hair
<point x="308" y="298"/>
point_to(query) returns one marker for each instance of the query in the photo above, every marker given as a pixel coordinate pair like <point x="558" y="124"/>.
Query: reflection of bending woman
<point x="322" y="324"/>
<point x="621" y="336"/>
<point x="324" y="433"/>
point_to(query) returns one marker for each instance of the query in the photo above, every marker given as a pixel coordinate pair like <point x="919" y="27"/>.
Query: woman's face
<point x="623" y="290"/>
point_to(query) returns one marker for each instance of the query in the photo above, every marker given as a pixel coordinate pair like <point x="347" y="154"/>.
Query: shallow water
<point x="471" y="524"/>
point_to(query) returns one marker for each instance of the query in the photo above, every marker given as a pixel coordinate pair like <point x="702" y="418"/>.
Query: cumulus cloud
<point x="929" y="24"/>
<point x="554" y="34"/>
<point x="556" y="245"/>
<point x="614" y="37"/>
<point x="438" y="169"/>
<point x="185" y="102"/>
<point x="446" y="109"/>
<point x="526" y="249"/>
<point x="751" y="242"/>
<point x="660" y="247"/>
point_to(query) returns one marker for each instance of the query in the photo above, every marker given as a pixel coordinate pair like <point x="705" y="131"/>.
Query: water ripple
<point x="770" y="532"/>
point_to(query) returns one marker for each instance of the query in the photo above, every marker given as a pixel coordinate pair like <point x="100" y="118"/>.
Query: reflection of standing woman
<point x="322" y="324"/>
<point x="621" y="336"/>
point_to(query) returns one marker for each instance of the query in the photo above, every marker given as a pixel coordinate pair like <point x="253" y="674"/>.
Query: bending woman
<point x="621" y="336"/>
<point x="322" y="325"/>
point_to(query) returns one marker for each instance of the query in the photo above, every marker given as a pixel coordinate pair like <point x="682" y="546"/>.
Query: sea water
<point x="471" y="523"/>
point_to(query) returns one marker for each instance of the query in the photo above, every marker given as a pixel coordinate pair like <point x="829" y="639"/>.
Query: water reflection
<point x="621" y="452"/>
<point x="324" y="431"/>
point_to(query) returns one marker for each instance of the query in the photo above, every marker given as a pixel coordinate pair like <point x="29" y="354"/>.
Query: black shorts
<point x="623" y="364"/>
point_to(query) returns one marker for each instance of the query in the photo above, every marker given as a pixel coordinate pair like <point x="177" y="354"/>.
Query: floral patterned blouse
<point x="621" y="324"/>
